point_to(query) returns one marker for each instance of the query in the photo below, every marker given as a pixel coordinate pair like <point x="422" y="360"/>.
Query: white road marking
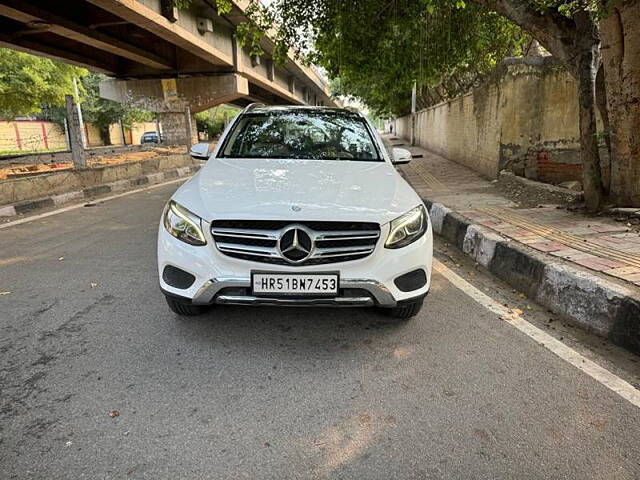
<point x="80" y="205"/>
<point x="595" y="371"/>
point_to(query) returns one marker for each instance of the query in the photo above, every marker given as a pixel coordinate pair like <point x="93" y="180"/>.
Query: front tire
<point x="406" y="311"/>
<point x="184" y="309"/>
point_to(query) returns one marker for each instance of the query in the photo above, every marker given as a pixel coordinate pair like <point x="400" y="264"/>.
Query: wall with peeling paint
<point x="523" y="118"/>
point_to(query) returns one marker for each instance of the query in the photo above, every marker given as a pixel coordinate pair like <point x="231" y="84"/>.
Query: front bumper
<point x="237" y="291"/>
<point x="220" y="279"/>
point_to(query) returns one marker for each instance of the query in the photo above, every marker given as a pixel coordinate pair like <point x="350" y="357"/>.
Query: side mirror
<point x="200" y="151"/>
<point x="400" y="156"/>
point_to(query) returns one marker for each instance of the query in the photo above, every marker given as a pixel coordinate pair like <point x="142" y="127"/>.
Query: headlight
<point x="407" y="228"/>
<point x="183" y="224"/>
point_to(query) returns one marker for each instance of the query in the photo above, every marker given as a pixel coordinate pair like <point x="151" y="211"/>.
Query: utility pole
<point x="413" y="113"/>
<point x="188" y="126"/>
<point x="83" y="133"/>
<point x="160" y="139"/>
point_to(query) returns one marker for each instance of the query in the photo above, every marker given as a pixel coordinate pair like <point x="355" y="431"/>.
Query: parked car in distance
<point x="150" y="137"/>
<point x="296" y="206"/>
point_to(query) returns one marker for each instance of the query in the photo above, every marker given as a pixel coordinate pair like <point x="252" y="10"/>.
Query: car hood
<point x="297" y="190"/>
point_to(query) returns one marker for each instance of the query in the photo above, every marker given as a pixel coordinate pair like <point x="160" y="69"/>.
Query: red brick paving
<point x="545" y="228"/>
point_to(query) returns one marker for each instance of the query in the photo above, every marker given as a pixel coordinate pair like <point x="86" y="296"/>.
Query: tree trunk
<point x="585" y="68"/>
<point x="620" y="30"/>
<point x="105" y="136"/>
<point x="576" y="42"/>
<point x="601" y="101"/>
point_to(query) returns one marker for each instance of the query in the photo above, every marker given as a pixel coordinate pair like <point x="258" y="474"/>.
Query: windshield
<point x="301" y="135"/>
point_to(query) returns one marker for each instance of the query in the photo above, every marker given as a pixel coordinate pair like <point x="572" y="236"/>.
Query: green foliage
<point x="223" y="6"/>
<point x="249" y="34"/>
<point x="569" y="7"/>
<point x="379" y="48"/>
<point x="104" y="113"/>
<point x="96" y="110"/>
<point x="215" y="119"/>
<point x="28" y="82"/>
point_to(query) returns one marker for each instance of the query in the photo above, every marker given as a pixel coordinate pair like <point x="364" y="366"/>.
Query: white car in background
<point x="296" y="206"/>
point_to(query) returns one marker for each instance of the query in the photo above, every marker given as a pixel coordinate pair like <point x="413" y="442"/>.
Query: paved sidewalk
<point x="597" y="243"/>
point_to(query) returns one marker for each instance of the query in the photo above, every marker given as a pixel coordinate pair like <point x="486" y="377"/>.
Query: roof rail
<point x="251" y="106"/>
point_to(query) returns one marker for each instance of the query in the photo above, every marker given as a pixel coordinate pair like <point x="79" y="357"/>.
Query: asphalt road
<point x="277" y="393"/>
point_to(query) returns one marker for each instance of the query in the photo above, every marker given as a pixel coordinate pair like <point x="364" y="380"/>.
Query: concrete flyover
<point x="175" y="62"/>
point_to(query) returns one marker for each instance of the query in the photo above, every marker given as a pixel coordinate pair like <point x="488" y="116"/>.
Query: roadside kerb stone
<point x="437" y="212"/>
<point x="34" y="205"/>
<point x="67" y="197"/>
<point x="156" y="177"/>
<point x="97" y="190"/>
<point x="8" y="211"/>
<point x="519" y="267"/>
<point x="454" y="228"/>
<point x="480" y="244"/>
<point x="120" y="185"/>
<point x="182" y="171"/>
<point x="587" y="300"/>
<point x="579" y="294"/>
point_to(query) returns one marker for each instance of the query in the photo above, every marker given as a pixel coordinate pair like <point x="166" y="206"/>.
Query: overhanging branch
<point x="554" y="31"/>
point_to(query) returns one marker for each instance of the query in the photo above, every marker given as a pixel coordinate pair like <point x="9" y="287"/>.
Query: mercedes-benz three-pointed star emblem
<point x="295" y="245"/>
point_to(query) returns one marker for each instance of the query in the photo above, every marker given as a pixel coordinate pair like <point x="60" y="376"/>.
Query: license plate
<point x="264" y="283"/>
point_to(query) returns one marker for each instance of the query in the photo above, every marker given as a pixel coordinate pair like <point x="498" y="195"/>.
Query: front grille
<point x="257" y="240"/>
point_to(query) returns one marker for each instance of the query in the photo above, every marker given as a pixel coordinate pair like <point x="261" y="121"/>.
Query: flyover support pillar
<point x="175" y="106"/>
<point x="178" y="128"/>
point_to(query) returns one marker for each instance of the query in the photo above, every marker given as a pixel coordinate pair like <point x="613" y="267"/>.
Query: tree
<point x="378" y="41"/>
<point x="104" y="113"/>
<point x="28" y="82"/>
<point x="620" y="32"/>
<point x="353" y="40"/>
<point x="214" y="120"/>
<point x="377" y="48"/>
<point x="34" y="85"/>
<point x="568" y="30"/>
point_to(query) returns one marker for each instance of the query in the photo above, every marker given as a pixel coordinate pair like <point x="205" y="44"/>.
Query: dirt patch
<point x="21" y="170"/>
<point x="528" y="194"/>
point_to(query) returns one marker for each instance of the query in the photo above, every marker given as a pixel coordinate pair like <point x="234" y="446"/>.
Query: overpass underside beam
<point x="197" y="93"/>
<point x="176" y="99"/>
<point x="137" y="39"/>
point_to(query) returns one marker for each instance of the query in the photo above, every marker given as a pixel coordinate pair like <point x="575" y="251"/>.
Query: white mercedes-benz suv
<point x="296" y="206"/>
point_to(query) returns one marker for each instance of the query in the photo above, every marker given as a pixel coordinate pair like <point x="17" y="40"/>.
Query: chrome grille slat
<point x="329" y="251"/>
<point x="344" y="254"/>
<point x="362" y="235"/>
<point x="236" y="232"/>
<point x="330" y="244"/>
<point x="247" y="249"/>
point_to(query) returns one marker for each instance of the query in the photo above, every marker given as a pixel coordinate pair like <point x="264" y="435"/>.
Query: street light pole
<point x="83" y="134"/>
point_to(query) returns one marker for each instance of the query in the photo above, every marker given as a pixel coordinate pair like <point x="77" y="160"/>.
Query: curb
<point x="90" y="192"/>
<point x="587" y="300"/>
